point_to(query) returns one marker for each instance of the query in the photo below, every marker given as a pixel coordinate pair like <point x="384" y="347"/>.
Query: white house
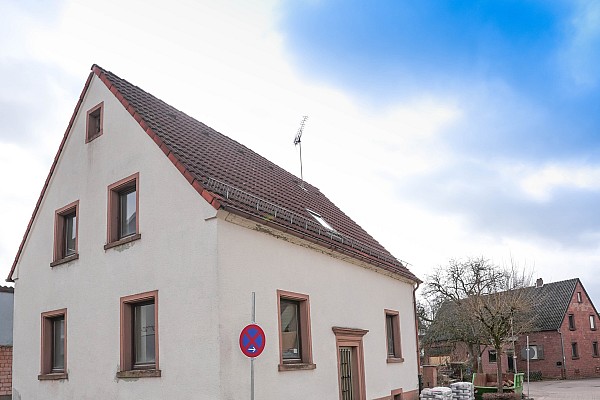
<point x="135" y="275"/>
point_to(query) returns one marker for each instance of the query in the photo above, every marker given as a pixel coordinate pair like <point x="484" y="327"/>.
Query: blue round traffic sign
<point x="252" y="340"/>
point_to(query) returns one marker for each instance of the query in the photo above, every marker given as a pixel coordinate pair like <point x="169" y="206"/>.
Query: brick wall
<point x="5" y="370"/>
<point x="584" y="366"/>
<point x="490" y="367"/>
<point x="552" y="349"/>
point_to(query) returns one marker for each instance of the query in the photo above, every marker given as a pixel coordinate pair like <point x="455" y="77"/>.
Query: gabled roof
<point x="230" y="176"/>
<point x="551" y="303"/>
<point x="555" y="298"/>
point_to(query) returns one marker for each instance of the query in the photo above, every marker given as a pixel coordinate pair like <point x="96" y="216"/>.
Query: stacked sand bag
<point x="463" y="391"/>
<point x="437" y="393"/>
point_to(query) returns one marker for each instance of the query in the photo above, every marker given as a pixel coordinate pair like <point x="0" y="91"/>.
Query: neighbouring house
<point x="6" y="341"/>
<point x="135" y="275"/>
<point x="564" y="345"/>
<point x="566" y="341"/>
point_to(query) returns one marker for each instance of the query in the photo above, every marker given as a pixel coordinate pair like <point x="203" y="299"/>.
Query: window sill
<point x="391" y="360"/>
<point x="87" y="140"/>
<point x="53" y="376"/>
<point x="296" y="367"/>
<point x="575" y="358"/>
<point x="65" y="260"/>
<point x="120" y="242"/>
<point x="139" y="373"/>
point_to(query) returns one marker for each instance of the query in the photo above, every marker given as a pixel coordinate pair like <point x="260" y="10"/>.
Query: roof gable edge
<point x="50" y="173"/>
<point x="209" y="197"/>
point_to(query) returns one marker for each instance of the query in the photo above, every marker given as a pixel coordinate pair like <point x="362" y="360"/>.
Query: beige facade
<point x="203" y="265"/>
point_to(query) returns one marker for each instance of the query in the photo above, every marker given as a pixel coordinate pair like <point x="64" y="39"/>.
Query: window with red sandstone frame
<point x="94" y="123"/>
<point x="295" y="347"/>
<point x="54" y="345"/>
<point x="123" y="211"/>
<point x="392" y="330"/>
<point x="139" y="336"/>
<point x="65" y="233"/>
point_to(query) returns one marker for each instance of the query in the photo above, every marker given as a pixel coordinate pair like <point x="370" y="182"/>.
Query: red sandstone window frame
<point x="305" y="360"/>
<point x="396" y="394"/>
<point x="593" y="322"/>
<point x="60" y="217"/>
<point x="393" y="317"/>
<point x="579" y="299"/>
<point x="117" y="189"/>
<point x="94" y="122"/>
<point x="595" y="352"/>
<point x="47" y="356"/>
<point x="127" y="305"/>
<point x="574" y="350"/>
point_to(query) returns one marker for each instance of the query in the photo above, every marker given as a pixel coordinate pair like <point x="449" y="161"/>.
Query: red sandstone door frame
<point x="353" y="339"/>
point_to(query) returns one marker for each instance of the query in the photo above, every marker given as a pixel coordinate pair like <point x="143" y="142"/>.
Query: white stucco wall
<point x="176" y="255"/>
<point x="341" y="294"/>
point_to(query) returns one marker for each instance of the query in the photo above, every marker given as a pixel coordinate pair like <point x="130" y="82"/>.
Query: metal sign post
<point x="528" y="366"/>
<point x="252" y="343"/>
<point x="252" y="359"/>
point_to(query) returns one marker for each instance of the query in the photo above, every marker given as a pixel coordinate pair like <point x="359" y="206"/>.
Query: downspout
<point x="417" y="334"/>
<point x="564" y="359"/>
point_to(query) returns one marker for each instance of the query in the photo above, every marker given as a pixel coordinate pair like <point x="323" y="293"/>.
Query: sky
<point x="446" y="129"/>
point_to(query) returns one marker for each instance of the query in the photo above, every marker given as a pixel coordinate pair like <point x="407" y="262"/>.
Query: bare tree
<point x="482" y="304"/>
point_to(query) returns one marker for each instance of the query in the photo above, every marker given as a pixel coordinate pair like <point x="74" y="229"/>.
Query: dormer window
<point x="320" y="220"/>
<point x="94" y="122"/>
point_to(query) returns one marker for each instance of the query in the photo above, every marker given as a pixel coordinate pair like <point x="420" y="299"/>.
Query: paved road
<point x="583" y="389"/>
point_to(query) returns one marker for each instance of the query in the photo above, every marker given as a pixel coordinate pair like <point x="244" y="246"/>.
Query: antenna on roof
<point x="297" y="142"/>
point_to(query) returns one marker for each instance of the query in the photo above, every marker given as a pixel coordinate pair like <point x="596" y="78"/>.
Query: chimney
<point x="539" y="282"/>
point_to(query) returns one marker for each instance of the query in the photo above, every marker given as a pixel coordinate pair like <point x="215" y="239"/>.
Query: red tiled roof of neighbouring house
<point x="231" y="176"/>
<point x="7" y="289"/>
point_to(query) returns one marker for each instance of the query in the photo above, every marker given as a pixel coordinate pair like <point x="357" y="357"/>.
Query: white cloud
<point x="539" y="183"/>
<point x="580" y="56"/>
<point x="22" y="173"/>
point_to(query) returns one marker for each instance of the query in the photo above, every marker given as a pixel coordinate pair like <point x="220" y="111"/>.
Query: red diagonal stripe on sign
<point x="252" y="339"/>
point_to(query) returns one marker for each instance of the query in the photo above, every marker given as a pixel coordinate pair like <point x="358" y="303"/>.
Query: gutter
<point x="564" y="360"/>
<point x="417" y="328"/>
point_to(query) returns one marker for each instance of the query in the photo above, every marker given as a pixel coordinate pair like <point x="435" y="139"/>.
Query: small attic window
<point x="320" y="220"/>
<point x="94" y="124"/>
